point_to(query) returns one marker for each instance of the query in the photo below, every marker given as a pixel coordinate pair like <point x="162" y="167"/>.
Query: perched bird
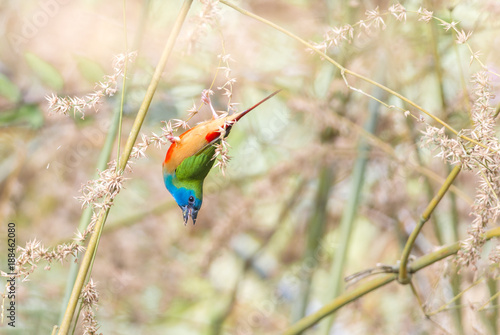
<point x="190" y="158"/>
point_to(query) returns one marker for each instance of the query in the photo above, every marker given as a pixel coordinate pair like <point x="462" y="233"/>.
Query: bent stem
<point x="376" y="283"/>
<point x="93" y="242"/>
<point x="403" y="277"/>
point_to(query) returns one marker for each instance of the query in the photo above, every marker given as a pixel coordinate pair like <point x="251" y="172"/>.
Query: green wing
<point x="197" y="166"/>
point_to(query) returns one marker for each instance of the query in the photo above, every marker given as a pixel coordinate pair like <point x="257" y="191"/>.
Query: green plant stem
<point x="437" y="64"/>
<point x="338" y="302"/>
<point x="352" y="73"/>
<point x="415" y="293"/>
<point x="439" y="77"/>
<point x="82" y="273"/>
<point x="455" y="281"/>
<point x="89" y="272"/>
<point x="315" y="232"/>
<point x="103" y="159"/>
<point x="436" y="223"/>
<point x="347" y="221"/>
<point x="453" y="225"/>
<point x="124" y="82"/>
<point x="447" y="230"/>
<point x="403" y="271"/>
<point x="491" y="317"/>
<point x="92" y="245"/>
<point x="376" y="283"/>
<point x="463" y="83"/>
<point x="87" y="212"/>
<point x="141" y="114"/>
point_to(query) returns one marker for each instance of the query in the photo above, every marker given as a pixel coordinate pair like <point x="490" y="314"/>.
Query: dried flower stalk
<point x="107" y="87"/>
<point x="485" y="162"/>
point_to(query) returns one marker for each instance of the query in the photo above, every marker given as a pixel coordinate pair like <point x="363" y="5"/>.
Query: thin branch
<point x="376" y="283"/>
<point x="93" y="243"/>
<point x="352" y="73"/>
<point x="403" y="271"/>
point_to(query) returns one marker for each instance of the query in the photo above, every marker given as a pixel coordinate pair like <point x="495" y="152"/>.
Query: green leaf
<point x="8" y="89"/>
<point x="26" y="115"/>
<point x="89" y="69"/>
<point x="47" y="73"/>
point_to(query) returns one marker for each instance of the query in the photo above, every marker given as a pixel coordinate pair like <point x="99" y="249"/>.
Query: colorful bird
<point x="190" y="158"/>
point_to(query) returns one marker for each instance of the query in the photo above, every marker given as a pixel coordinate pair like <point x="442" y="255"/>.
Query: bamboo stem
<point x="87" y="212"/>
<point x="347" y="222"/>
<point x="93" y="242"/>
<point x="376" y="283"/>
<point x="315" y="232"/>
<point x="141" y="114"/>
<point x="403" y="271"/>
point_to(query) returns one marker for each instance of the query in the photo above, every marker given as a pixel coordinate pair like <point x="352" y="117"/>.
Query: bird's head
<point x="188" y="196"/>
<point x="189" y="203"/>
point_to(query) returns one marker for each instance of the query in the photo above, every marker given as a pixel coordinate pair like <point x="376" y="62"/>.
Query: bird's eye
<point x="191" y="199"/>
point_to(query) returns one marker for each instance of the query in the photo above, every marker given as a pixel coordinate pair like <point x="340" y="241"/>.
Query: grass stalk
<point x="463" y="83"/>
<point x="105" y="154"/>
<point x="124" y="86"/>
<point x="338" y="302"/>
<point x="376" y="283"/>
<point x="438" y="69"/>
<point x="141" y="114"/>
<point x="446" y="230"/>
<point x="102" y="162"/>
<point x="349" y="215"/>
<point x="403" y="271"/>
<point x="436" y="223"/>
<point x="491" y="317"/>
<point x="315" y="232"/>
<point x="352" y="73"/>
<point x="93" y="242"/>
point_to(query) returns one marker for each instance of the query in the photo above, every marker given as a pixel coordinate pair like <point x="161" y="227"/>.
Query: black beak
<point x="188" y="211"/>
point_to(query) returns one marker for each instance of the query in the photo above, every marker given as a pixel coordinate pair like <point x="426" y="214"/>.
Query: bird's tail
<point x="240" y="115"/>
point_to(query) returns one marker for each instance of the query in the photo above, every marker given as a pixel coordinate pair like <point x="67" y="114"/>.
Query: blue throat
<point x="181" y="194"/>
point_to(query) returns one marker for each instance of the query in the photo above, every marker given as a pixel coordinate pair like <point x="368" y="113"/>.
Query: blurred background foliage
<point x="260" y="255"/>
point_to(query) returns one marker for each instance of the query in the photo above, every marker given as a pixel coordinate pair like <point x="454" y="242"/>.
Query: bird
<point x="191" y="156"/>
